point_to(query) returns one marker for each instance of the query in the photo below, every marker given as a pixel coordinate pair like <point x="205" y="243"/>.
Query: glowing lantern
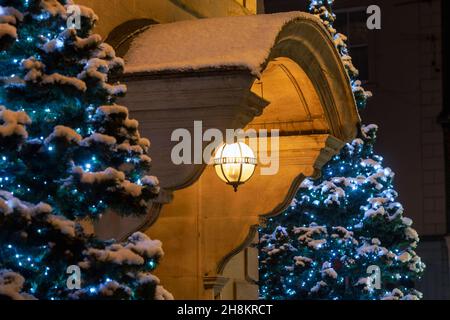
<point x="235" y="163"/>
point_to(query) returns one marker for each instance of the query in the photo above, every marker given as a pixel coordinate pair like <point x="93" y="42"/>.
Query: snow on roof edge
<point x="242" y="42"/>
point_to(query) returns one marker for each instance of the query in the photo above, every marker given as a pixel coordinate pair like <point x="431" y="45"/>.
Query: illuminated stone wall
<point x="115" y="12"/>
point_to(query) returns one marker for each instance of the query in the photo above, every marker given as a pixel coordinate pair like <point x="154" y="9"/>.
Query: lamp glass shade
<point x="235" y="163"/>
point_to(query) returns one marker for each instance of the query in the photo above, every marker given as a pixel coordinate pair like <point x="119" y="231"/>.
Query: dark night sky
<point x="272" y="6"/>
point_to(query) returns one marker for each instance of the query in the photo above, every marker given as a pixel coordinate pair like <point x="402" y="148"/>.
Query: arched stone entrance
<point x="290" y="78"/>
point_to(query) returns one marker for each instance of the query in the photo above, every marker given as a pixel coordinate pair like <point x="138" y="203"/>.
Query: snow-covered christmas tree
<point x="338" y="231"/>
<point x="67" y="152"/>
<point x="344" y="236"/>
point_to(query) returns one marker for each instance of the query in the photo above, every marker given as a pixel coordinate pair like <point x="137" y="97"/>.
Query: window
<point x="272" y="6"/>
<point x="353" y="23"/>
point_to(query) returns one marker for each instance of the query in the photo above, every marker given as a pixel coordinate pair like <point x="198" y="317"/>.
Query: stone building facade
<point x="403" y="66"/>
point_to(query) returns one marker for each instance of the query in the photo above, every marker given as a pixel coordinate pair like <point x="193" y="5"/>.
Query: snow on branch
<point x="13" y="123"/>
<point x="11" y="285"/>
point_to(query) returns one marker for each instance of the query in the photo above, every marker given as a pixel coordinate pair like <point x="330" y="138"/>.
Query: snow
<point x="372" y="213"/>
<point x="383" y="206"/>
<point x="231" y="42"/>
<point x="416" y="264"/>
<point x="327" y="19"/>
<point x="34" y="69"/>
<point x="144" y="142"/>
<point x="162" y="294"/>
<point x="368" y="128"/>
<point x="370" y="163"/>
<point x="5" y="209"/>
<point x="7" y="29"/>
<point x="109" y="112"/>
<point x="43" y="208"/>
<point x="109" y="288"/>
<point x="407" y="221"/>
<point x="144" y="246"/>
<point x="11" y="284"/>
<point x="411" y="234"/>
<point x="98" y="69"/>
<point x="129" y="148"/>
<point x="105" y="51"/>
<point x="98" y="138"/>
<point x="335" y="193"/>
<point x="334" y="197"/>
<point x="307" y="184"/>
<point x="91" y="41"/>
<point x="144" y="158"/>
<point x="357" y="85"/>
<point x="343" y="234"/>
<point x="9" y="204"/>
<point x="52" y="45"/>
<point x="147" y="277"/>
<point x="70" y="36"/>
<point x="363" y="281"/>
<point x="340" y="40"/>
<point x="302" y="261"/>
<point x="131" y="188"/>
<point x="375" y="248"/>
<point x="318" y="286"/>
<point x="85" y="12"/>
<point x="66" y="226"/>
<point x="57" y="78"/>
<point x="404" y="257"/>
<point x="398" y="210"/>
<point x="35" y="73"/>
<point x="133" y="252"/>
<point x="357" y="142"/>
<point x="376" y="241"/>
<point x="272" y="252"/>
<point x="8" y="19"/>
<point x="348" y="64"/>
<point x="10" y="15"/>
<point x="53" y="7"/>
<point x="63" y="132"/>
<point x="328" y="271"/>
<point x="110" y="174"/>
<point x="307" y="234"/>
<point x="396" y="294"/>
<point x="112" y="109"/>
<point x="131" y="124"/>
<point x="150" y="180"/>
<point x="294" y="203"/>
<point x="114" y="178"/>
<point x="95" y="68"/>
<point x="116" y="254"/>
<point x="411" y="297"/>
<point x="382" y="174"/>
<point x="13" y="123"/>
<point x="115" y="90"/>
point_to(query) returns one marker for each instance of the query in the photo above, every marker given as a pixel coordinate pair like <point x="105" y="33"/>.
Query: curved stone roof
<point x="243" y="42"/>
